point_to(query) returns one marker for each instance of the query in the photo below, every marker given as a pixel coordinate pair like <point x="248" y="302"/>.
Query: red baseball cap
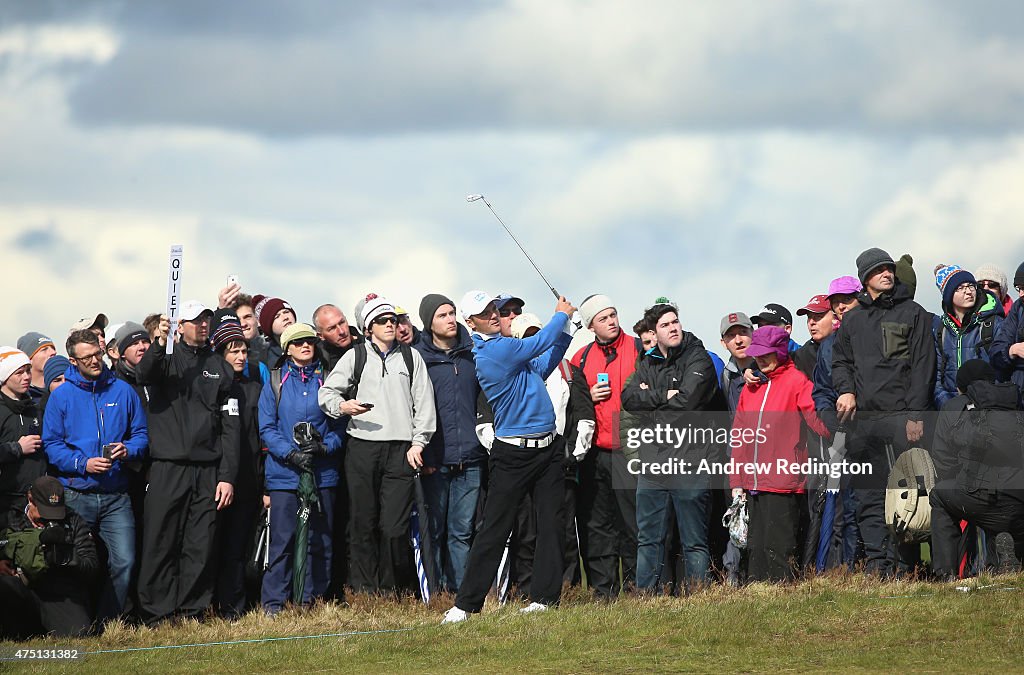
<point x="819" y="304"/>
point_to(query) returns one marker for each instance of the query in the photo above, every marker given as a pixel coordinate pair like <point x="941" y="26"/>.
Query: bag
<point x="736" y="520"/>
<point x="907" y="509"/>
<point x="24" y="551"/>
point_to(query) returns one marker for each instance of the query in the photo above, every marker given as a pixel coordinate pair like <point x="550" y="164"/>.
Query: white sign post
<point x="173" y="294"/>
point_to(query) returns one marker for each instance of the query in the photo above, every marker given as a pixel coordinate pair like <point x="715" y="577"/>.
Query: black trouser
<point x="607" y="511"/>
<point x="772" y="535"/>
<point x="380" y="488"/>
<point x="994" y="510"/>
<point x="339" y="539"/>
<point x="522" y="547"/>
<point x="571" y="571"/>
<point x="27" y="612"/>
<point x="178" y="568"/>
<point x="236" y="527"/>
<point x="513" y="473"/>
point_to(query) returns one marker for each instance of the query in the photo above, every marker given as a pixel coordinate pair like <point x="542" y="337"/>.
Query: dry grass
<point x="832" y="622"/>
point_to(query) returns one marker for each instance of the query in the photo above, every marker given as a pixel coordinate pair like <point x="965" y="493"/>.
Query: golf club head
<point x="474" y="198"/>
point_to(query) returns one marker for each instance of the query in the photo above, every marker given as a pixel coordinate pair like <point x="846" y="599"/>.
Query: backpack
<point x="907" y="509"/>
<point x="24" y="551"/>
<point x="637" y="342"/>
<point x="988" y="327"/>
<point x="357" y="371"/>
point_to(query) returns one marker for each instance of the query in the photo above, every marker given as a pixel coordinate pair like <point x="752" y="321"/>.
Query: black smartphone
<point x="365" y="404"/>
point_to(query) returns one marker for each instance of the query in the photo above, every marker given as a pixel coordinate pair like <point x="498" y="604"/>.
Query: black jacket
<point x="189" y="416"/>
<point x="251" y="456"/>
<point x="330" y="355"/>
<point x="128" y="374"/>
<point x="806" y="357"/>
<point x="885" y="354"/>
<point x="687" y="369"/>
<point x="74" y="580"/>
<point x="17" y="471"/>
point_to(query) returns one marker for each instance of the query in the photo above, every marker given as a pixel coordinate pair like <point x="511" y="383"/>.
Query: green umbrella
<point x="307" y="500"/>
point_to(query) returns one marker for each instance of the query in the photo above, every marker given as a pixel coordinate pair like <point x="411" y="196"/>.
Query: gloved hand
<point x="53" y="535"/>
<point x="584" y="438"/>
<point x="303" y="461"/>
<point x="569" y="464"/>
<point x="485" y="434"/>
<point x="313" y="446"/>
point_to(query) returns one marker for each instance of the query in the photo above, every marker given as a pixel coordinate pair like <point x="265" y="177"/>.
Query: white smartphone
<point x="233" y="280"/>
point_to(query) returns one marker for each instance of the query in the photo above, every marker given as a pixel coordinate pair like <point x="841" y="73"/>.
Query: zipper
<point x="760" y="413"/>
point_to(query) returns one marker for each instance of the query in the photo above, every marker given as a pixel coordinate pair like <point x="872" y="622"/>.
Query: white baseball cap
<point x="475" y="302"/>
<point x="191" y="310"/>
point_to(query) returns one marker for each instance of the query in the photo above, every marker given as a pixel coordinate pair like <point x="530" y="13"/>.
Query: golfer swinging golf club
<point x="526" y="455"/>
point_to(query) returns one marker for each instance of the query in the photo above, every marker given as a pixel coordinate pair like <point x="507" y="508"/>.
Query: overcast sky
<point x="724" y="154"/>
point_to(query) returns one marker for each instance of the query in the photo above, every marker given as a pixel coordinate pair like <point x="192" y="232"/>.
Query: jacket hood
<point x="985" y="306"/>
<point x="994" y="395"/>
<point x="74" y="377"/>
<point x="689" y="342"/>
<point x="432" y="353"/>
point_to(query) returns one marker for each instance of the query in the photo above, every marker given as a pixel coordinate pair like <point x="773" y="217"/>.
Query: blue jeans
<point x="110" y="517"/>
<point x="652" y="515"/>
<point x="452" y="494"/>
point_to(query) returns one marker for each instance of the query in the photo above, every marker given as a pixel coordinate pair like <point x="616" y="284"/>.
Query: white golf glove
<point x="485" y="434"/>
<point x="584" y="438"/>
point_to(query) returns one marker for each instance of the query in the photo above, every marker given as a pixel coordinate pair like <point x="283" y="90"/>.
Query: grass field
<point x="843" y="622"/>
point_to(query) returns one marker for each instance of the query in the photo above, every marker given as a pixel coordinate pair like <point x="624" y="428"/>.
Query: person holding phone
<point x="88" y="450"/>
<point x="21" y="459"/>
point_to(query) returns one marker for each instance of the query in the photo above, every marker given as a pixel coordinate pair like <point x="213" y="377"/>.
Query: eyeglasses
<point x="967" y="287"/>
<point x="303" y="341"/>
<point x="385" y="320"/>
<point x="95" y="356"/>
<point x="992" y="285"/>
<point x="505" y="313"/>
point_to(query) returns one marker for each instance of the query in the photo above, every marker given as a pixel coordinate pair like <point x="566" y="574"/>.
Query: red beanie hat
<point x="266" y="309"/>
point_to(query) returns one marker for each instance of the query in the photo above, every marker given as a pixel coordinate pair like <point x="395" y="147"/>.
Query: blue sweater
<point x="81" y="417"/>
<point x="512" y="377"/>
<point x="298" y="404"/>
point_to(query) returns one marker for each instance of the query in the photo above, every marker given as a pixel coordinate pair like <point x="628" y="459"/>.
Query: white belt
<point x="519" y="442"/>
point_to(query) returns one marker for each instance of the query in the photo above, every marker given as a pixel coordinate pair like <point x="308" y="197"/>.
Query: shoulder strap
<point x="988" y="327"/>
<point x="407" y="355"/>
<point x="275" y="384"/>
<point x="942" y="349"/>
<point x="583" y="356"/>
<point x="357" y="369"/>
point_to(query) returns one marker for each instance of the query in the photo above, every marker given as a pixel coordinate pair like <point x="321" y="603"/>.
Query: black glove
<point x="313" y="447"/>
<point x="303" y="461"/>
<point x="569" y="465"/>
<point x="52" y="535"/>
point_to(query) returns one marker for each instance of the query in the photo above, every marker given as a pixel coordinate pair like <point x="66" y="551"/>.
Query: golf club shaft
<point x="546" y="282"/>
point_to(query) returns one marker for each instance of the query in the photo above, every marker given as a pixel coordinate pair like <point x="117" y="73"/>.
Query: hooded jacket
<point x="885" y="354"/>
<point x="955" y="343"/>
<point x="1010" y="332"/>
<point x="624" y="354"/>
<point x="988" y="439"/>
<point x="770" y="419"/>
<point x="512" y="374"/>
<point x="83" y="416"/>
<point x="402" y="411"/>
<point x="299" y="388"/>
<point x="456" y="391"/>
<point x="17" y="471"/>
<point x="190" y="418"/>
<point x="687" y="369"/>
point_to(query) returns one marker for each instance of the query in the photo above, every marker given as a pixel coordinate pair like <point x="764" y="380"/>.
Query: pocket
<point x="895" y="340"/>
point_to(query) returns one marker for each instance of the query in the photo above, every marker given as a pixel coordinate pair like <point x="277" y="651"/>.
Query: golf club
<point x="481" y="198"/>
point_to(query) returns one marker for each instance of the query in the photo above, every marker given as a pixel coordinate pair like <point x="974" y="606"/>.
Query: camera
<point x="58" y="543"/>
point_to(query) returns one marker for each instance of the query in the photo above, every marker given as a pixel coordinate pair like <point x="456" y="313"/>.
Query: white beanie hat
<point x="376" y="306"/>
<point x="593" y="306"/>
<point x="992" y="273"/>
<point x="10" y="360"/>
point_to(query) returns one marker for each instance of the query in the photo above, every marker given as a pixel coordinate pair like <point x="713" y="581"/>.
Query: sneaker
<point x="533" y="607"/>
<point x="454" y="615"/>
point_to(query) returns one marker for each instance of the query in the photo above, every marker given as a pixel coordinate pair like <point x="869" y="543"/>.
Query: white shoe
<point x="533" y="607"/>
<point x="454" y="615"/>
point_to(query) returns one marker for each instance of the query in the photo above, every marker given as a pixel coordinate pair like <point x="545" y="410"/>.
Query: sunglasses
<point x="385" y="320"/>
<point x="304" y="341"/>
<point x="993" y="285"/>
<point x="512" y="311"/>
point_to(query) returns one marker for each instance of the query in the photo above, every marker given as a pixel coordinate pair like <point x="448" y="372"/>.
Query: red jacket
<point x="606" y="413"/>
<point x="779" y="408"/>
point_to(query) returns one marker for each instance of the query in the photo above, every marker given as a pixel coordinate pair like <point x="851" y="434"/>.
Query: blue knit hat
<point x="54" y="367"/>
<point x="948" y="278"/>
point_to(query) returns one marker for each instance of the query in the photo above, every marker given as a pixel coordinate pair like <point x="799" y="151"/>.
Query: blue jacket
<point x="298" y="404"/>
<point x="1009" y="333"/>
<point x="513" y="380"/>
<point x="824" y="393"/>
<point x="83" y="416"/>
<point x="456" y="390"/>
<point x="963" y="344"/>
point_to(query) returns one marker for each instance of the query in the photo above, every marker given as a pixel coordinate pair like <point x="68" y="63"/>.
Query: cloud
<point x="653" y="67"/>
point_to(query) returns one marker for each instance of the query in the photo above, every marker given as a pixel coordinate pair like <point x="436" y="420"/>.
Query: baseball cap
<point x="772" y="314"/>
<point x="844" y="286"/>
<point x="192" y="309"/>
<point x="818" y="304"/>
<point x="474" y="302"/>
<point x="524" y="321"/>
<point x="734" y="319"/>
<point x="48" y="496"/>
<point x="86" y="322"/>
<point x="502" y="298"/>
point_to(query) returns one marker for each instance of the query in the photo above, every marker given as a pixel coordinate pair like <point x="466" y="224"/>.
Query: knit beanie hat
<point x="376" y="306"/>
<point x="990" y="272"/>
<point x="429" y="306"/>
<point x="228" y="330"/>
<point x="948" y="278"/>
<point x="870" y="260"/>
<point x="592" y="306"/>
<point x="1018" y="277"/>
<point x="10" y="360"/>
<point x="905" y="273"/>
<point x="128" y="334"/>
<point x="32" y="342"/>
<point x="54" y="368"/>
<point x="266" y="309"/>
<point x="973" y="371"/>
